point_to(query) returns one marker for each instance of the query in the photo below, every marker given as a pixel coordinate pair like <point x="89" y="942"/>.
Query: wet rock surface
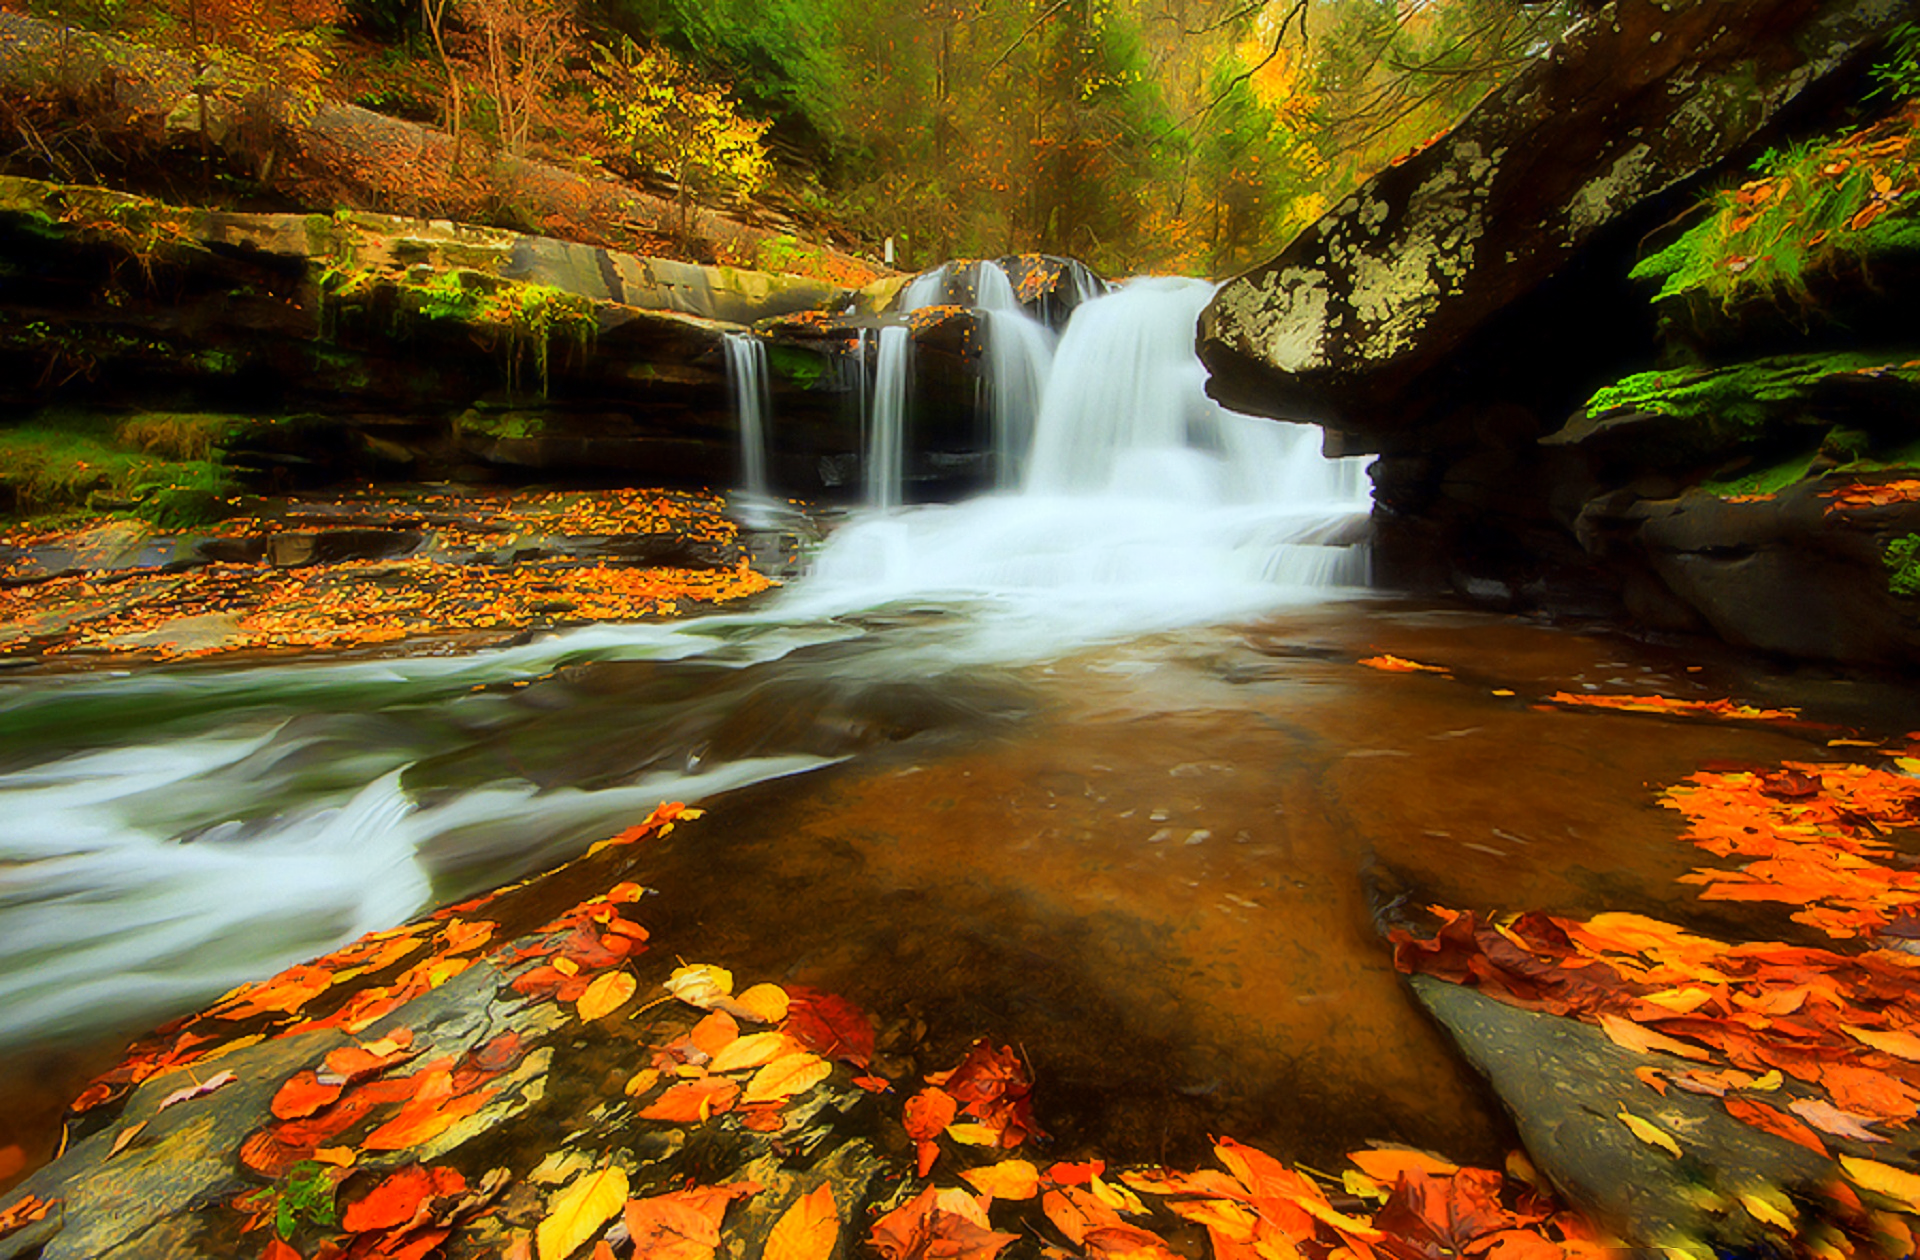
<point x="1350" y="324"/>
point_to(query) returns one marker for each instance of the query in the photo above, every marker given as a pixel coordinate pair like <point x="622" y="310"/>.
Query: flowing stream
<point x="1086" y="766"/>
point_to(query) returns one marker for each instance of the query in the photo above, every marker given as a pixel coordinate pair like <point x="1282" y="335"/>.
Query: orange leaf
<point x="683" y="1224"/>
<point x="692" y="1101"/>
<point x="928" y="1113"/>
<point x="1008" y="1179"/>
<point x="1642" y="1040"/>
<point x="1769" y="1120"/>
<point x="1386" y="1165"/>
<point x="806" y="1231"/>
<point x="398" y="1199"/>
<point x="714" y="1033"/>
<point x="1401" y="665"/>
<point x="302" y="1095"/>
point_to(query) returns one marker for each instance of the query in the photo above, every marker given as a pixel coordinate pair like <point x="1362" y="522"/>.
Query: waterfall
<point x="993" y="288"/>
<point x="885" y="462"/>
<point x="927" y="289"/>
<point x="752" y="409"/>
<point x="1145" y="504"/>
<point x="1019" y="358"/>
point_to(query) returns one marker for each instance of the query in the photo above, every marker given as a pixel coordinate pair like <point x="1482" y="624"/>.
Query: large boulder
<point x="1369" y="320"/>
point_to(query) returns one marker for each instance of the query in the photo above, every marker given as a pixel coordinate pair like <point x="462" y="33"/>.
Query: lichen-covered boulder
<point x="1354" y="321"/>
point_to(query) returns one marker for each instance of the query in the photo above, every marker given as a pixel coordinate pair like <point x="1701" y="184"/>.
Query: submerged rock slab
<point x="1565" y="1083"/>
<point x="1348" y="325"/>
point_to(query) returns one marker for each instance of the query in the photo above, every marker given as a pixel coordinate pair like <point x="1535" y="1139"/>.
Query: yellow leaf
<point x="700" y="984"/>
<point x="607" y="994"/>
<point x="1895" y="1183"/>
<point x="338" y="1156"/>
<point x="974" y="1134"/>
<point x="808" y="1230"/>
<point x="1008" y="1179"/>
<point x="1767" y="1211"/>
<point x="1681" y="1001"/>
<point x="786" y="1076"/>
<point x="1768" y="1081"/>
<point x="1119" y="1198"/>
<point x="1361" y="1186"/>
<point x="642" y="1081"/>
<point x="766" y="1003"/>
<point x="752" y="1051"/>
<point x="577" y="1213"/>
<point x="566" y="966"/>
<point x="1649" y="1132"/>
<point x="1901" y="1045"/>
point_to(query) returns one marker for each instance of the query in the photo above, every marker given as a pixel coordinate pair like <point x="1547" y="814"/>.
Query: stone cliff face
<point x="370" y="346"/>
<point x="1467" y="314"/>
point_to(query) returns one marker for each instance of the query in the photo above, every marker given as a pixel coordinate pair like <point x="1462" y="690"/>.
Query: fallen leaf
<point x="1650" y="1133"/>
<point x="1897" y="1184"/>
<point x="1008" y="1179"/>
<point x="1643" y="1040"/>
<point x="578" y="1212"/>
<point x="829" y="1025"/>
<point x="199" y="1090"/>
<point x="691" y="1102"/>
<point x="682" y="1224"/>
<point x="714" y="1033"/>
<point x="1828" y="1118"/>
<point x="1386" y="1164"/>
<point x="398" y="1199"/>
<point x="764" y="1003"/>
<point x="752" y="1051"/>
<point x="1769" y="1120"/>
<point x="279" y="1249"/>
<point x="1768" y="1212"/>
<point x="806" y="1231"/>
<point x="607" y="994"/>
<point x="1901" y="1045"/>
<point x="126" y="1136"/>
<point x="786" y="1076"/>
<point x="1401" y="665"/>
<point x="928" y="1113"/>
<point x="302" y="1095"/>
<point x="935" y="1223"/>
<point x="700" y="984"/>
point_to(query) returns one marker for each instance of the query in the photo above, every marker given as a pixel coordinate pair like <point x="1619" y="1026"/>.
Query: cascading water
<point x="885" y="463"/>
<point x="752" y="409"/>
<point x="1019" y="359"/>
<point x="1146" y="505"/>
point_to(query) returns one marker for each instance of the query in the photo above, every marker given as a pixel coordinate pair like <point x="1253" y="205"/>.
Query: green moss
<point x="62" y="461"/>
<point x="1770" y="480"/>
<point x="525" y="319"/>
<point x="1903" y="565"/>
<point x="802" y="367"/>
<point x="1820" y="206"/>
<point x="1747" y="398"/>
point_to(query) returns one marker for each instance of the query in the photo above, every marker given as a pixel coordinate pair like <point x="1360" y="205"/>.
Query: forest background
<point x="1138" y="135"/>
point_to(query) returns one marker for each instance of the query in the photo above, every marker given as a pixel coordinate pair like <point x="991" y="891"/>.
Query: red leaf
<point x="829" y="1025"/>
